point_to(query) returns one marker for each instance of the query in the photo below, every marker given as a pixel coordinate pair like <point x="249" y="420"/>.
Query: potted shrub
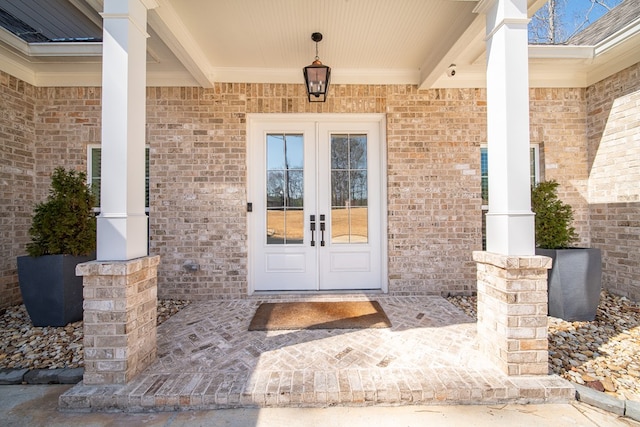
<point x="63" y="234"/>
<point x="576" y="273"/>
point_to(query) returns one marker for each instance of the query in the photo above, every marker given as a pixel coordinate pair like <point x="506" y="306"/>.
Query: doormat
<point x="319" y="315"/>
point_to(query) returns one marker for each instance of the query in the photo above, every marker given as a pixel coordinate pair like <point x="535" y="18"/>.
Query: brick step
<point x="199" y="391"/>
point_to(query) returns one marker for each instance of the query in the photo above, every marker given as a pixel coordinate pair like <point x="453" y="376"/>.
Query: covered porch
<point x="208" y="359"/>
<point x="431" y="355"/>
<point x="199" y="205"/>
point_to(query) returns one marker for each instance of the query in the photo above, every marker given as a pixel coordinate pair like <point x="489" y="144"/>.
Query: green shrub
<point x="553" y="217"/>
<point x="65" y="222"/>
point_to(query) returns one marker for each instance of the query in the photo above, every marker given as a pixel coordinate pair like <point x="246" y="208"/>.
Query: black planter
<point x="50" y="289"/>
<point x="574" y="282"/>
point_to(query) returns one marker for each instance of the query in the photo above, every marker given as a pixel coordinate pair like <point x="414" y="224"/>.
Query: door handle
<point x="322" y="230"/>
<point x="312" y="226"/>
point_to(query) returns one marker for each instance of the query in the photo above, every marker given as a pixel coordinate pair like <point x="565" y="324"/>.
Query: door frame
<point x="253" y="119"/>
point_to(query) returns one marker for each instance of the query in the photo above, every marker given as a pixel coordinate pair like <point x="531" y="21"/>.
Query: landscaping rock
<point x="632" y="410"/>
<point x="24" y="346"/>
<point x="600" y="400"/>
<point x="42" y="376"/>
<point x="70" y="376"/>
<point x="604" y="353"/>
<point x="12" y="376"/>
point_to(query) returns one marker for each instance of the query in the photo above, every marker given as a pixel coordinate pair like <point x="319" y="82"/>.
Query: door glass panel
<point x="285" y="189"/>
<point x="294" y="220"/>
<point x="349" y="189"/>
<point x="339" y="152"/>
<point x="358" y="202"/>
<point x="275" y="189"/>
<point x="358" y="152"/>
<point x="275" y="226"/>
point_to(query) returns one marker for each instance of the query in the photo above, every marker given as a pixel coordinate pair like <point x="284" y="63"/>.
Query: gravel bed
<point x="603" y="354"/>
<point x="23" y="345"/>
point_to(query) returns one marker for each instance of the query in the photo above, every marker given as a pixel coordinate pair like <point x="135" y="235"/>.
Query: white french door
<point x="316" y="200"/>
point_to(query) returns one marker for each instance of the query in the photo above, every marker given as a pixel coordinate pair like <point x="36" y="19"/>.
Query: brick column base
<point x="120" y="310"/>
<point x="512" y="312"/>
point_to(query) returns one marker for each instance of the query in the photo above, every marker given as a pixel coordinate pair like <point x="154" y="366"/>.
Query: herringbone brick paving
<point x="207" y="358"/>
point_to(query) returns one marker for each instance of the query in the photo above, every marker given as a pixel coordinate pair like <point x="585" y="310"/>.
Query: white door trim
<point x="254" y="119"/>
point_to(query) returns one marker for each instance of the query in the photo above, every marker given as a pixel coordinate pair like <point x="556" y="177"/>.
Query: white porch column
<point x="122" y="224"/>
<point x="510" y="222"/>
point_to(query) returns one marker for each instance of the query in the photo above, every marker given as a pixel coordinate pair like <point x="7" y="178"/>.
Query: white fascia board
<point x="71" y="79"/>
<point x="561" y="52"/>
<point x="93" y="78"/>
<point x="619" y="37"/>
<point x="170" y="79"/>
<point x="611" y="62"/>
<point x="17" y="67"/>
<point x="14" y="41"/>
<point x="550" y="79"/>
<point x="70" y="49"/>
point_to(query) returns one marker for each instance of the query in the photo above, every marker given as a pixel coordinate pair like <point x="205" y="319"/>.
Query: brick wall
<point x="197" y="141"/>
<point x="614" y="172"/>
<point x="17" y="179"/>
<point x="198" y="189"/>
<point x="66" y="121"/>
<point x="558" y="120"/>
<point x="435" y="217"/>
<point x="198" y="181"/>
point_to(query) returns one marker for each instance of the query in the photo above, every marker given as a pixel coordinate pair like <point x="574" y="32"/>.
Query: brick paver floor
<point x="208" y="359"/>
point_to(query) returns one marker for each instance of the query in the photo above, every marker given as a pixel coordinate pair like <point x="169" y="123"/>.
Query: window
<point x="484" y="175"/>
<point x="285" y="189"/>
<point x="93" y="172"/>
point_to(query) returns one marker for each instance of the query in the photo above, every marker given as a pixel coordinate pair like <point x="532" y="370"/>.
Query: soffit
<point x="377" y="34"/>
<point x="365" y="41"/>
<point x="200" y="42"/>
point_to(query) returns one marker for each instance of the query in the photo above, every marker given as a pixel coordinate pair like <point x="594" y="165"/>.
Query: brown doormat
<point x="319" y="315"/>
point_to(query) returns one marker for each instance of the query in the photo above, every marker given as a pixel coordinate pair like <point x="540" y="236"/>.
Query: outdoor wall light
<point x="316" y="76"/>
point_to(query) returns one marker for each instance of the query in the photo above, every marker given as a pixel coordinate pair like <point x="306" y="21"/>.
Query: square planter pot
<point x="51" y="291"/>
<point x="574" y="282"/>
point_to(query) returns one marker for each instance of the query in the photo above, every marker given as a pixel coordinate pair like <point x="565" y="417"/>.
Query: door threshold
<point x="364" y="294"/>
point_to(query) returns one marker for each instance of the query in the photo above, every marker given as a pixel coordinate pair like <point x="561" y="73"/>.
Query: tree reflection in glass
<point x="349" y="189"/>
<point x="285" y="189"/>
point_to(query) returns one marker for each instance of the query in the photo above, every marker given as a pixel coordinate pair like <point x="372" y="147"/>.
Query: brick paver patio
<point x="208" y="359"/>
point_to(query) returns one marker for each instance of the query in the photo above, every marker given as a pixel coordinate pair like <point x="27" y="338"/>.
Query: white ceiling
<point x="200" y="42"/>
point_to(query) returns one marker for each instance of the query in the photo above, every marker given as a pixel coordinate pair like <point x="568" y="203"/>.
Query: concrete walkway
<point x="34" y="406"/>
<point x="207" y="359"/>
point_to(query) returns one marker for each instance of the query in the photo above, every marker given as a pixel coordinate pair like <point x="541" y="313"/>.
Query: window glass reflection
<point x="285" y="189"/>
<point x="358" y="190"/>
<point x="275" y="189"/>
<point x="358" y="152"/>
<point x="339" y="188"/>
<point x="275" y="227"/>
<point x="349" y="189"/>
<point x="294" y="220"/>
<point x="339" y="151"/>
<point x="359" y="224"/>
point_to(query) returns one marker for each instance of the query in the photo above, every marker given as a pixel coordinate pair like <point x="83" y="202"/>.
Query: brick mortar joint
<point x="118" y="268"/>
<point x="491" y="290"/>
<point x="512" y="262"/>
